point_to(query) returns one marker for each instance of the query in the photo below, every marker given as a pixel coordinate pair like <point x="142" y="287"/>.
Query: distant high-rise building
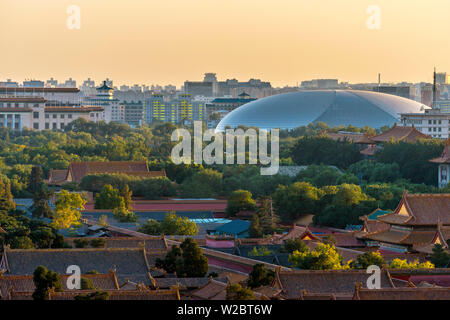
<point x="133" y="112"/>
<point x="210" y="87"/>
<point x="181" y="109"/>
<point x="9" y="84"/>
<point x="401" y="91"/>
<point x="441" y="78"/>
<point x="33" y="84"/>
<point x="69" y="83"/>
<point x="320" y="84"/>
<point x="210" y="77"/>
<point x="51" y="83"/>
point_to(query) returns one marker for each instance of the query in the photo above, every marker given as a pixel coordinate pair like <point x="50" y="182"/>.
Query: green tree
<point x="6" y="198"/>
<point x="41" y="207"/>
<point x="266" y="215"/>
<point x="260" y="276"/>
<point x="172" y="224"/>
<point x="296" y="200"/>
<point x="81" y="243"/>
<point x="255" y="230"/>
<point x="97" y="295"/>
<point x="98" y="243"/>
<point x="203" y="184"/>
<point x="67" y="209"/>
<point x="237" y="292"/>
<point x="240" y="200"/>
<point x="36" y="182"/>
<point x="122" y="214"/>
<point x="87" y="284"/>
<point x="44" y="280"/>
<point x="171" y="260"/>
<point x="194" y="263"/>
<point x="324" y="257"/>
<point x="404" y="264"/>
<point x="126" y="195"/>
<point x="363" y="261"/>
<point x="440" y="258"/>
<point x="291" y="245"/>
<point x="109" y="198"/>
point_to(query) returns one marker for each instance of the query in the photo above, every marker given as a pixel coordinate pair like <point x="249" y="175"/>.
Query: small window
<point x="69" y="116"/>
<point x="54" y="116"/>
<point x="47" y="116"/>
<point x="54" y="125"/>
<point x="36" y="126"/>
<point x="47" y="125"/>
<point x="35" y="115"/>
<point x="62" y="116"/>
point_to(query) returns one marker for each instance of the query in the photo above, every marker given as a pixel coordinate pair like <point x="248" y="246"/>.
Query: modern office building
<point x="431" y="122"/>
<point x="183" y="108"/>
<point x="320" y="84"/>
<point x="53" y="96"/>
<point x="33" y="84"/>
<point x="401" y="91"/>
<point x="210" y="87"/>
<point x="32" y="112"/>
<point x="226" y="105"/>
<point x="133" y="113"/>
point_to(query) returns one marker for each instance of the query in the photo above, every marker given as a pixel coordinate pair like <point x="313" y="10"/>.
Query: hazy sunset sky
<point x="170" y="41"/>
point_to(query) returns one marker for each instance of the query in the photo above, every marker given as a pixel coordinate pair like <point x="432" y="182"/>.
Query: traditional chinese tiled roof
<point x="152" y="244"/>
<point x="171" y="294"/>
<point x="183" y="283"/>
<point x="445" y="156"/>
<point x="268" y="291"/>
<point x="394" y="218"/>
<point x="104" y="87"/>
<point x="318" y="296"/>
<point x="129" y="263"/>
<point x="78" y="170"/>
<point x="444" y="233"/>
<point x="370" y="150"/>
<point x="212" y="290"/>
<point x="299" y="232"/>
<point x="399" y="133"/>
<point x="57" y="177"/>
<point x="403" y="237"/>
<point x="402" y="294"/>
<point x="375" y="214"/>
<point x="346" y="240"/>
<point x="372" y="226"/>
<point x="340" y="282"/>
<point x="25" y="283"/>
<point x="420" y="210"/>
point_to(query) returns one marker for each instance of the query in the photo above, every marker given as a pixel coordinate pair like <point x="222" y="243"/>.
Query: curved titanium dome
<point x="335" y="108"/>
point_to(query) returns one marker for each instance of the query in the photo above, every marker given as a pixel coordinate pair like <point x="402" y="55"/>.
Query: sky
<point x="170" y="41"/>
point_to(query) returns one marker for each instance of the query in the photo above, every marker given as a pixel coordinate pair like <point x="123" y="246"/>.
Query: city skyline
<point x="139" y="42"/>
